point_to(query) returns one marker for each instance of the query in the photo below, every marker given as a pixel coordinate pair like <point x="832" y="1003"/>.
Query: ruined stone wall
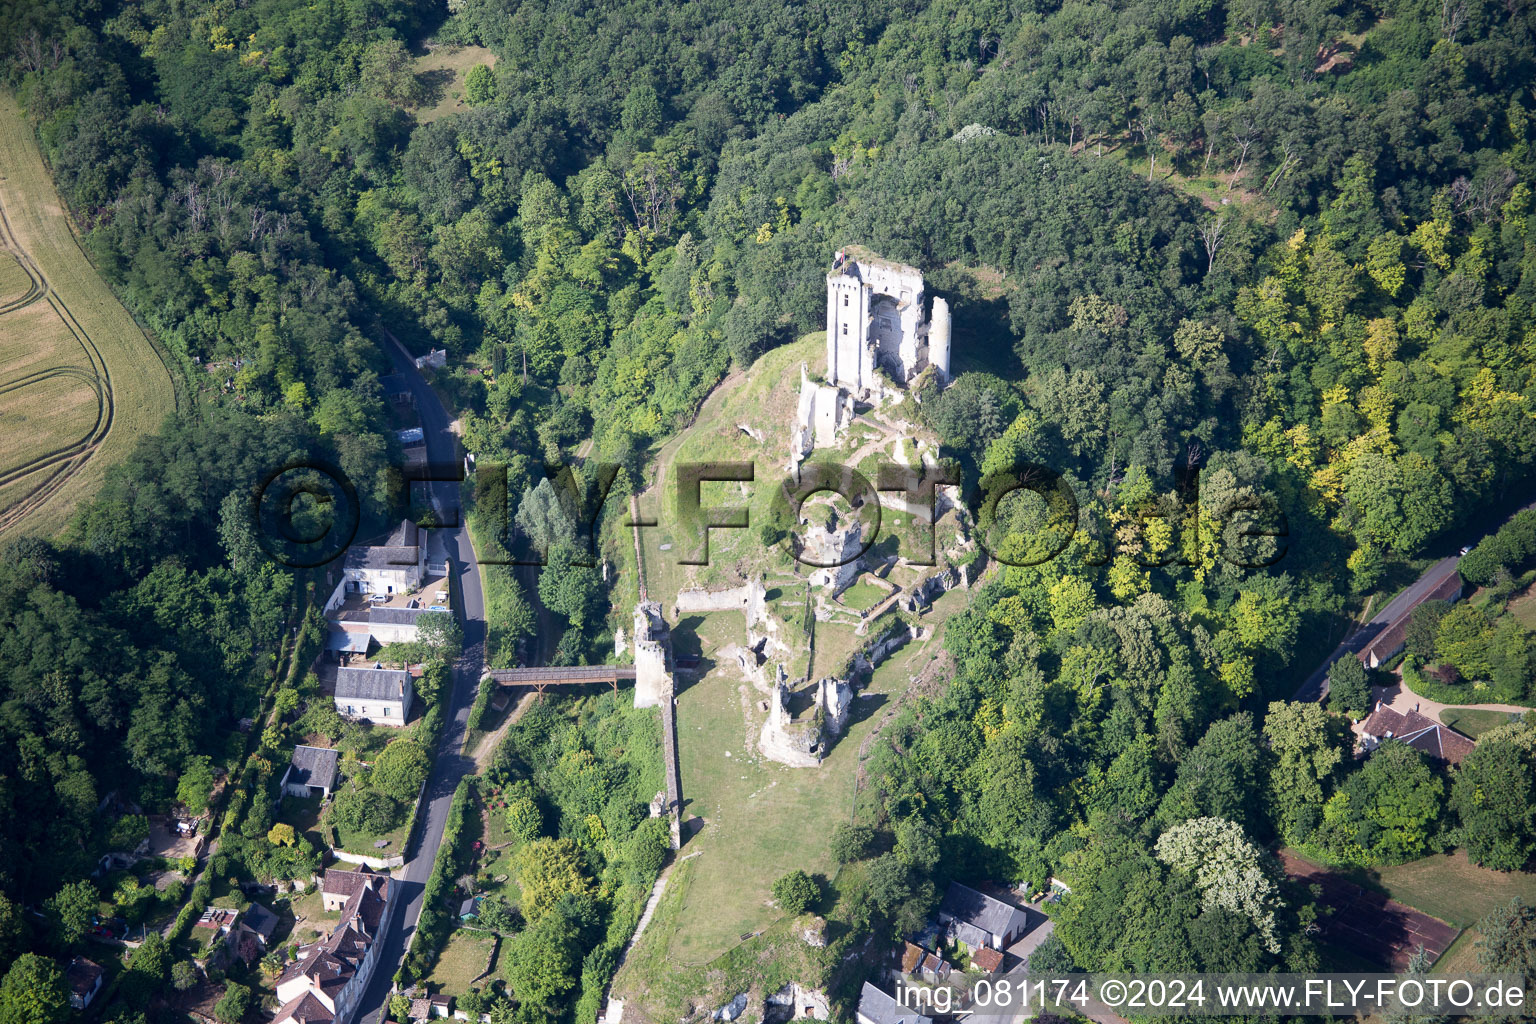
<point x="876" y="318"/>
<point x="838" y="545"/>
<point x="654" y="687"/>
<point x="938" y="338"/>
<point x="731" y="599"/>
<point x="797" y="744"/>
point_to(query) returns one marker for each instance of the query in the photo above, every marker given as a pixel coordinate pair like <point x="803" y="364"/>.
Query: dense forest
<point x="1200" y="254"/>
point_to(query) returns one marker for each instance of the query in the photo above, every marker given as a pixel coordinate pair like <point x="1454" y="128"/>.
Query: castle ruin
<point x="654" y="687"/>
<point x="879" y="320"/>
<point x="653" y="656"/>
<point x="802" y="723"/>
<point x="875" y="319"/>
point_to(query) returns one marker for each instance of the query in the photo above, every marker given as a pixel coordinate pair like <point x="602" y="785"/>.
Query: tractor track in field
<point x="62" y="462"/>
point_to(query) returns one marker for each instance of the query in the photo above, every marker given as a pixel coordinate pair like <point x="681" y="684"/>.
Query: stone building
<point x="876" y="320"/>
<point x="653" y="656"/>
<point x="802" y="724"/>
<point x="876" y="323"/>
<point x="833" y="550"/>
<point x="377" y="695"/>
<point x="823" y="413"/>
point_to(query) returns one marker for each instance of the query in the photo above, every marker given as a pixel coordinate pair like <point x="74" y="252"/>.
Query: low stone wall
<point x="376" y="863"/>
<point x="748" y="598"/>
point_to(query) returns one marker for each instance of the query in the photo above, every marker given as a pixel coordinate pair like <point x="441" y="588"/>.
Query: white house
<point x="878" y="1007"/>
<point x="978" y="920"/>
<point x="396" y="566"/>
<point x="330" y="975"/>
<point x="83" y="978"/>
<point x="381" y="696"/>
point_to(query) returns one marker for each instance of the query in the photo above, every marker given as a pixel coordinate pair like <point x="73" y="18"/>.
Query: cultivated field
<point x="79" y="381"/>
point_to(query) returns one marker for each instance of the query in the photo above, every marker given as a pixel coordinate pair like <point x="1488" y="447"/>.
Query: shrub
<point x="400" y="770"/>
<point x="367" y="811"/>
<point x="796" y="892"/>
<point x="851" y="842"/>
<point x="524" y="819"/>
<point x="232" y="1006"/>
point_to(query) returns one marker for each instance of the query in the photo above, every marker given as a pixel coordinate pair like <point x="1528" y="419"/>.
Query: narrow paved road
<point x="1316" y="686"/>
<point x="451" y="765"/>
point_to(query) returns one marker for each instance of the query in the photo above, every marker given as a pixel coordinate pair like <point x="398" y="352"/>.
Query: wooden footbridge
<point x="541" y="677"/>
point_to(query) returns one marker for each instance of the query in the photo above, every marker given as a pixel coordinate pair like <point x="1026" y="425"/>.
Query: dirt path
<point x="1401" y="699"/>
<point x="492" y="740"/>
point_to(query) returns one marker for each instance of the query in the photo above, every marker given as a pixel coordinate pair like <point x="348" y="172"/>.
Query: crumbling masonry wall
<point x="654" y="687"/>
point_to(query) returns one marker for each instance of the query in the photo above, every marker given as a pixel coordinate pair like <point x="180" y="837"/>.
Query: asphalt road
<point x="450" y="766"/>
<point x="1316" y="686"/>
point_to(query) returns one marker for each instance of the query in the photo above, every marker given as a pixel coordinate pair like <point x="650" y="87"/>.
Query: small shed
<point x="311" y="772"/>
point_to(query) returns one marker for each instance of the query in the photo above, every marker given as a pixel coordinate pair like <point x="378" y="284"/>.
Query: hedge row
<point x="482" y="703"/>
<point x="438" y="920"/>
<point x="202" y="892"/>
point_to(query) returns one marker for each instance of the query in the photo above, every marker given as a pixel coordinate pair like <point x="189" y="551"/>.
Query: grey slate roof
<point x="401" y="548"/>
<point x="382" y="556"/>
<point x="314" y="766"/>
<point x="882" y="1008"/>
<point x="341" y="640"/>
<point x="981" y="911"/>
<point x="261" y="921"/>
<point x="396" y="616"/>
<point x="370" y="683"/>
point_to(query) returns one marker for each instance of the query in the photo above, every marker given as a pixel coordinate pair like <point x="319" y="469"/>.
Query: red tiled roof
<point x="987" y="958"/>
<point x="1438" y="741"/>
<point x="341" y="882"/>
<point x="911" y="956"/>
<point x="217" y="917"/>
<point x="1392" y="639"/>
<point x="304" y="1009"/>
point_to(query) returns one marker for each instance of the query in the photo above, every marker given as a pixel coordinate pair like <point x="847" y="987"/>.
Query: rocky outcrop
<point x="795" y="1002"/>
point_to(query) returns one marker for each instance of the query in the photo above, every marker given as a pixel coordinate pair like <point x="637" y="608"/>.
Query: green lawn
<point x="464" y="959"/>
<point x="310" y="916"/>
<point x="443" y="71"/>
<point x="863" y="596"/>
<point x="1523" y="608"/>
<point x="1450" y="887"/>
<point x="1461" y="957"/>
<point x="657" y="988"/>
<point x="760" y="818"/>
<point x="363" y="842"/>
<point x="303" y="815"/>
<point x="1474" y="723"/>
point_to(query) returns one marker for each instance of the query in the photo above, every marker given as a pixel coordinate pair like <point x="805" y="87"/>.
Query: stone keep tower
<point x="653" y="656"/>
<point x="875" y="318"/>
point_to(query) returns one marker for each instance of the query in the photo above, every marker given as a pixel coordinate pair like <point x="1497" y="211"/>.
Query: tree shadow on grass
<point x="435" y="85"/>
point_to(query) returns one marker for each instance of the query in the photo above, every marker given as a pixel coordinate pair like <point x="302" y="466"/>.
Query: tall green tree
<point x="33" y="992"/>
<point x="1306" y="748"/>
